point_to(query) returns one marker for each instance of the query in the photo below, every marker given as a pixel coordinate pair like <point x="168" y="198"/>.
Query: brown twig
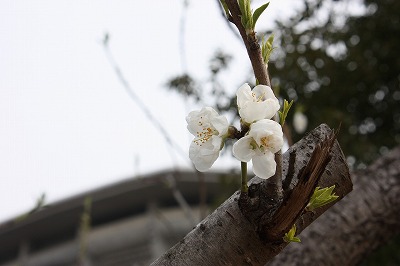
<point x="260" y="71"/>
<point x="251" y="43"/>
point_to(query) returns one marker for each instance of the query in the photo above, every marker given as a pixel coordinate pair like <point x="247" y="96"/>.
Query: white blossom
<point x="209" y="129"/>
<point x="263" y="140"/>
<point x="259" y="103"/>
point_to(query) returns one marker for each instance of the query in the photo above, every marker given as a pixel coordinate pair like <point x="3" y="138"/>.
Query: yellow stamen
<point x="265" y="142"/>
<point x="258" y="99"/>
<point x="204" y="136"/>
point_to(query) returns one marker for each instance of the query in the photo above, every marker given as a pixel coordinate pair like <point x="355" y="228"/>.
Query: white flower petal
<point x="202" y="158"/>
<point x="208" y="127"/>
<point x="192" y="120"/>
<point x="259" y="103"/>
<point x="265" y="127"/>
<point x="211" y="146"/>
<point x="253" y="111"/>
<point x="220" y="123"/>
<point x="276" y="143"/>
<point x="264" y="91"/>
<point x="243" y="95"/>
<point x="199" y="120"/>
<point x="272" y="107"/>
<point x="243" y="150"/>
<point x="264" y="165"/>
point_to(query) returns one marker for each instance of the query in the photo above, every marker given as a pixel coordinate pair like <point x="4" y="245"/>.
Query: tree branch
<point x="349" y="231"/>
<point x="228" y="237"/>
<point x="252" y="46"/>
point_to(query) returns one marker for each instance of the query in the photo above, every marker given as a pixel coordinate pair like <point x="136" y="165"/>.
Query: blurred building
<point x="131" y="222"/>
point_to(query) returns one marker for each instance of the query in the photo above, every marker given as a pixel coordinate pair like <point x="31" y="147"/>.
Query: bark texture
<point x="226" y="237"/>
<point x="367" y="218"/>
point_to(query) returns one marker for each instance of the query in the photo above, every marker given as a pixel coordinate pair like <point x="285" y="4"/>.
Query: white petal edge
<point x="221" y="124"/>
<point x="272" y="107"/>
<point x="243" y="95"/>
<point x="264" y="165"/>
<point x="201" y="159"/>
<point x="242" y="149"/>
<point x="253" y="111"/>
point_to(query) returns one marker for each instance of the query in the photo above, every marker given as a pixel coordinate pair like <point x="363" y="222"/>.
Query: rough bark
<point x="227" y="237"/>
<point x="367" y="218"/>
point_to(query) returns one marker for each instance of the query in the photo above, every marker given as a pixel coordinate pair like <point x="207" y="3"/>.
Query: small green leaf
<point x="246" y="17"/>
<point x="267" y="48"/>
<point x="290" y="236"/>
<point x="283" y="114"/>
<point x="296" y="239"/>
<point x="321" y="197"/>
<point x="242" y="6"/>
<point x="258" y="13"/>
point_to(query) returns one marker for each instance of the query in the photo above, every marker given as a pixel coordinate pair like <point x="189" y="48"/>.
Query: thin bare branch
<point x="260" y="71"/>
<point x="131" y="93"/>
<point x="173" y="145"/>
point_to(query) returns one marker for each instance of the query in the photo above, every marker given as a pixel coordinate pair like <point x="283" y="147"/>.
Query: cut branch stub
<point x="295" y="201"/>
<point x="231" y="236"/>
<point x="316" y="160"/>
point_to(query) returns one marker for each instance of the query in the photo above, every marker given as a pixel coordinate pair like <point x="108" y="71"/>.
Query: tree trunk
<point x="367" y="218"/>
<point x="227" y="237"/>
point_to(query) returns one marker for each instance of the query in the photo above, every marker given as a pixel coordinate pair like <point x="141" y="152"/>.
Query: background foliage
<point x="345" y="70"/>
<point x="339" y="68"/>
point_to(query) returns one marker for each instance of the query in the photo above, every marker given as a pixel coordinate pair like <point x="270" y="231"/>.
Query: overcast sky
<point x="66" y="123"/>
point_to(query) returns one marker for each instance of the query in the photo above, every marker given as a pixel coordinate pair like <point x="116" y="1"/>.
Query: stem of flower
<point x="244" y="188"/>
<point x="260" y="71"/>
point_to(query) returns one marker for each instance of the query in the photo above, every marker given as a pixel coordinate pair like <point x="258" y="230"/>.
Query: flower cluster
<point x="263" y="138"/>
<point x="210" y="130"/>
